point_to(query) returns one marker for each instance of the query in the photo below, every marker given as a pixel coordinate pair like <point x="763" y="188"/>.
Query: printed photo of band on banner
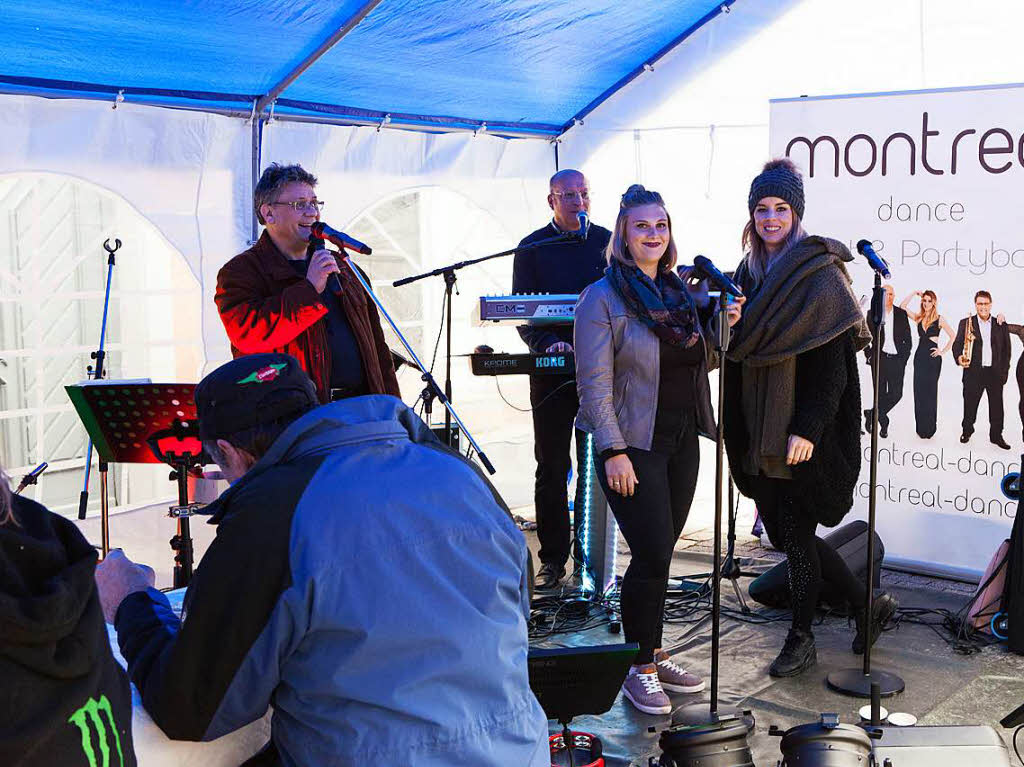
<point x="936" y="199"/>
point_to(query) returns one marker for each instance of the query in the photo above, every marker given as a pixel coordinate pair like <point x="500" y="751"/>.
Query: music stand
<point x="570" y="681"/>
<point x="142" y="422"/>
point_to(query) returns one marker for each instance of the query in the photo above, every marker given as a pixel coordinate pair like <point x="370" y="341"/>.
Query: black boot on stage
<point x="882" y="609"/>
<point x="549" y="577"/>
<point x="798" y="654"/>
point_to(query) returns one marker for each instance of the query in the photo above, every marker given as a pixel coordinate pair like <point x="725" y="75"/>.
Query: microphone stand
<point x="448" y="272"/>
<point x="432" y="387"/>
<point x="96" y="373"/>
<point x="32" y="477"/>
<point x="732" y="570"/>
<point x="702" y="718"/>
<point x="858" y="682"/>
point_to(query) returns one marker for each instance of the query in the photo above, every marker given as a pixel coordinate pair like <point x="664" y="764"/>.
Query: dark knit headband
<point x="781" y="182"/>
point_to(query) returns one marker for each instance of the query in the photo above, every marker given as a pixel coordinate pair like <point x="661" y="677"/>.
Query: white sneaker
<point x="643" y="690"/>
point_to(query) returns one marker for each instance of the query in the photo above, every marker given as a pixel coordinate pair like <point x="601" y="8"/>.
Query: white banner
<point x="935" y="180"/>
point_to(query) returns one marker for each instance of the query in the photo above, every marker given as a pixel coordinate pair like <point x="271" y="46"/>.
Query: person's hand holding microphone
<point x="322" y="264"/>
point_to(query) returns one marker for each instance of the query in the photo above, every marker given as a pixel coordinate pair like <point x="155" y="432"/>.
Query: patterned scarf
<point x="668" y="310"/>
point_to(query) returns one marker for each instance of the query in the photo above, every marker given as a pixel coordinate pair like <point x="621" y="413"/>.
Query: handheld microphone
<point x="342" y="240"/>
<point x="703" y="266"/>
<point x="315" y="244"/>
<point x="584" y="220"/>
<point x="876" y="261"/>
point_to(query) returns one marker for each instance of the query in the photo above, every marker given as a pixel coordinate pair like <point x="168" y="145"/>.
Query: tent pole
<point x="257" y="147"/>
<point x="307" y="62"/>
<point x="648" y="65"/>
<point x="398" y="121"/>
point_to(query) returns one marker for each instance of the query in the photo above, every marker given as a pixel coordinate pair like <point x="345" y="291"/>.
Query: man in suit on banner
<point x="986" y="367"/>
<point x="896" y="343"/>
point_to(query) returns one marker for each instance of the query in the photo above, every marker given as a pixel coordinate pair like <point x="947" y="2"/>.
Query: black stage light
<point x="825" y="743"/>
<point x="720" y="743"/>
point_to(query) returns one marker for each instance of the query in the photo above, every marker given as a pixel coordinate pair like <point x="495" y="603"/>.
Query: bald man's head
<point x="568" y="195"/>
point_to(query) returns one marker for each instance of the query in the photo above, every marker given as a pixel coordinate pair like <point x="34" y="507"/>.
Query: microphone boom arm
<point x="427" y="377"/>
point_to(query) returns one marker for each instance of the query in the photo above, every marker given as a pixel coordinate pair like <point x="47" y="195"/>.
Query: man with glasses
<point x="566" y="267"/>
<point x="276" y="296"/>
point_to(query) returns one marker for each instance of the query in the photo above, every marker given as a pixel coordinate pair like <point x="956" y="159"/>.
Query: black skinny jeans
<point x="791" y="528"/>
<point x="651" y="521"/>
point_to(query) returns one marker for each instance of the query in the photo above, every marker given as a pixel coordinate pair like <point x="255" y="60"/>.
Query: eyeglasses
<point x="301" y="206"/>
<point x="573" y="196"/>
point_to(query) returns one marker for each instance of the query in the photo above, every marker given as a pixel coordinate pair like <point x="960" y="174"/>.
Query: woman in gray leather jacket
<point x="642" y="376"/>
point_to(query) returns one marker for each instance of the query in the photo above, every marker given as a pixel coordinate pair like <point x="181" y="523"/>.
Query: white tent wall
<point x="425" y="200"/>
<point x="75" y="173"/>
<point x="696" y="127"/>
<point x="189" y="175"/>
<point x="185" y="172"/>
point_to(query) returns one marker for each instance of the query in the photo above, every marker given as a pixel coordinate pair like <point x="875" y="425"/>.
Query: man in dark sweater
<point x="896" y="343"/>
<point x="564" y="268"/>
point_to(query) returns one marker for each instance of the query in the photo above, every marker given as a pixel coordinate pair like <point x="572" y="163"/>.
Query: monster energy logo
<point x="90" y="713"/>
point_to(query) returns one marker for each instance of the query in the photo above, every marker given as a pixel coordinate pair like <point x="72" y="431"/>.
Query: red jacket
<point x="267" y="307"/>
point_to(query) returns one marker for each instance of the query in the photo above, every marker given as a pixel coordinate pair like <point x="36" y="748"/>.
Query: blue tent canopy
<point x="523" y="67"/>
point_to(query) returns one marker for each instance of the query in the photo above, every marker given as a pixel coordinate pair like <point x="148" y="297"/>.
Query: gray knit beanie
<point x="781" y="179"/>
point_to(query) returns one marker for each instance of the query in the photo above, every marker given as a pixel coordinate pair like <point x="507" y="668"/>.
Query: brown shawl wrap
<point x="805" y="301"/>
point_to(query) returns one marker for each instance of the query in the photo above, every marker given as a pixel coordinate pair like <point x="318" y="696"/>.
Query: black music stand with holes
<point x="571" y="681"/>
<point x="143" y="422"/>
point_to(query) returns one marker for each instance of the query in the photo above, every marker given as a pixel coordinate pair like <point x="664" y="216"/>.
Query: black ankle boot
<point x="797" y="654"/>
<point x="882" y="609"/>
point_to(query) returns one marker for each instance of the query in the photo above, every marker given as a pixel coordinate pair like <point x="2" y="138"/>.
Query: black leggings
<point x="791" y="528"/>
<point x="651" y="521"/>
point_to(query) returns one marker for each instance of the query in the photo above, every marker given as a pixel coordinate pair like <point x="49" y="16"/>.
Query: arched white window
<point x="52" y="275"/>
<point x="415" y="231"/>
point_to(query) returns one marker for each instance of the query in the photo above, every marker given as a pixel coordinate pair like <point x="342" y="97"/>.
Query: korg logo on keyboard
<point x="551" y="362"/>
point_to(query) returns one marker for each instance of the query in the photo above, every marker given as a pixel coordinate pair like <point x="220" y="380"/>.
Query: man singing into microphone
<point x="272" y="298"/>
<point x="563" y="268"/>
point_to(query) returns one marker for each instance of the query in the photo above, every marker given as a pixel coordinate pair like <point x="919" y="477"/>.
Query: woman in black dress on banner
<point x="927" y="359"/>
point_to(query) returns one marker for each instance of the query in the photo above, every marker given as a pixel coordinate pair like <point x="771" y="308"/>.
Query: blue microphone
<point x="876" y="261"/>
<point x="584" y="220"/>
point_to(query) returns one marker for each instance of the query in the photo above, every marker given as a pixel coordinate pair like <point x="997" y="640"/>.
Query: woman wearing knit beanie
<point x="642" y="364"/>
<point x="792" y="410"/>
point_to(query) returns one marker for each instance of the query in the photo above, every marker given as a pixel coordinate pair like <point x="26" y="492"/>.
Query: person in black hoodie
<point x="793" y="402"/>
<point x="66" y="700"/>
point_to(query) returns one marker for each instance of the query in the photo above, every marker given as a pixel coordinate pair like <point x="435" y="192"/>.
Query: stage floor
<point x="943" y="687"/>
